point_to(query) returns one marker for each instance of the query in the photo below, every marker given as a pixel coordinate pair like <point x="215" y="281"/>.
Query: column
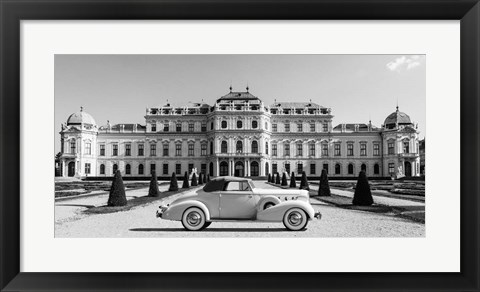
<point x="247" y="167"/>
<point x="262" y="167"/>
<point x="63" y="168"/>
<point x="217" y="170"/>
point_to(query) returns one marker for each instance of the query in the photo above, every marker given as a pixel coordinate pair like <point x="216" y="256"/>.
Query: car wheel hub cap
<point x="193" y="219"/>
<point x="295" y="218"/>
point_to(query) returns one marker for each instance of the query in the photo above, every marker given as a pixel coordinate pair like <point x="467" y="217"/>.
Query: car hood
<point x="280" y="192"/>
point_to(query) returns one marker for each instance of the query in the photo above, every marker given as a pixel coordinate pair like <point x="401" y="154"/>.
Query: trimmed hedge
<point x="153" y="191"/>
<point x="293" y="182"/>
<point x="173" y="183"/>
<point x="363" y="195"/>
<point x="185" y="181"/>
<point x="323" y="186"/>
<point x="117" y="191"/>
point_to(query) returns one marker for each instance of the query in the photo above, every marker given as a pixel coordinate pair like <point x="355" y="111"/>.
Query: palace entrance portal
<point x="239" y="169"/>
<point x="71" y="168"/>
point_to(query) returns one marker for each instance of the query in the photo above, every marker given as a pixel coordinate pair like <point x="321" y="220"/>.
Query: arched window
<point x="115" y="168"/>
<point x="211" y="126"/>
<point x="224" y="147"/>
<point x="254" y="168"/>
<point x="254" y="147"/>
<point x="210" y="169"/>
<point x="140" y="169"/>
<point x="350" y="168"/>
<point x="239" y="124"/>
<point x="254" y="124"/>
<point x="337" y="168"/>
<point x="127" y="169"/>
<point x="376" y="169"/>
<point x="364" y="168"/>
<point x="211" y="148"/>
<point x="266" y="148"/>
<point x="239" y="147"/>
<point x="102" y="168"/>
<point x="223" y="168"/>
<point x="224" y="124"/>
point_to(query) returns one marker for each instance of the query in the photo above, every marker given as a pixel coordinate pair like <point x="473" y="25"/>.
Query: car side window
<point x="237" y="186"/>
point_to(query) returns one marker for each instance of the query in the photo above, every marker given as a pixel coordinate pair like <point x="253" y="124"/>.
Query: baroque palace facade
<point x="240" y="136"/>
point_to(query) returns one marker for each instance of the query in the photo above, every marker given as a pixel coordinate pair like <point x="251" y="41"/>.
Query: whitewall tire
<point x="193" y="219"/>
<point x="295" y="219"/>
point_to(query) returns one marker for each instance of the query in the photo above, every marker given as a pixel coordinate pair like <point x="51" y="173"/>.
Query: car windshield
<point x="252" y="185"/>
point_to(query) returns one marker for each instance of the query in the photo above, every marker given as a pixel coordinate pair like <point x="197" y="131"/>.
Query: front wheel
<point x="193" y="219"/>
<point x="295" y="219"/>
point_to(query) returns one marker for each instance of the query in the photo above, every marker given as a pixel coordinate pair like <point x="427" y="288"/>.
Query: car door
<point x="237" y="201"/>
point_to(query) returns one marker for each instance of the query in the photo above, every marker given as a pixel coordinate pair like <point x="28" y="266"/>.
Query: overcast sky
<point x="357" y="87"/>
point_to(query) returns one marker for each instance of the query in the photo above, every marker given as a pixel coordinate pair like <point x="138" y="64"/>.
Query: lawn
<point x="74" y="188"/>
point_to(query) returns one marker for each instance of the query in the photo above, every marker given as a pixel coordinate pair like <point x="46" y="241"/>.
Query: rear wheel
<point x="193" y="219"/>
<point x="295" y="219"/>
<point x="268" y="205"/>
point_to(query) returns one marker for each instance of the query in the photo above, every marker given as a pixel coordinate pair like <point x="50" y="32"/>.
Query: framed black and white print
<point x="239" y="146"/>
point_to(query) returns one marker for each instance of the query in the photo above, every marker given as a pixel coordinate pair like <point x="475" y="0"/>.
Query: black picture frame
<point x="13" y="11"/>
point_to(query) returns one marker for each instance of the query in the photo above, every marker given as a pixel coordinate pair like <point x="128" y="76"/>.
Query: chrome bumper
<point x="317" y="215"/>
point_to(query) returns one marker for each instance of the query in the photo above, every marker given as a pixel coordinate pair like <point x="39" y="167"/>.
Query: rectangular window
<point x="165" y="168"/>
<point x="274" y="127"/>
<point x="179" y="127"/>
<point x="363" y="149"/>
<point x="203" y="168"/>
<point x="299" y="127"/>
<point x="287" y="167"/>
<point x="325" y="166"/>
<point x="178" y="150"/>
<point x="324" y="149"/>
<point x="376" y="149"/>
<point x="73" y="147"/>
<point x="88" y="148"/>
<point x="115" y="149"/>
<point x="391" y="148"/>
<point x="166" y="127"/>
<point x="204" y="150"/>
<point x="154" y="127"/>
<point x="152" y="168"/>
<point x="287" y="149"/>
<point x="190" y="167"/>
<point x="325" y="127"/>
<point x="299" y="168"/>
<point x="140" y="149"/>
<point x="166" y="149"/>
<point x="406" y="147"/>
<point x="312" y="168"/>
<point x="153" y="149"/>
<point x="204" y="127"/>
<point x="287" y="127"/>
<point x="178" y="169"/>
<point x="191" y="150"/>
<point x="337" y="150"/>
<point x="190" y="127"/>
<point x="274" y="149"/>
<point x="102" y="150"/>
<point x="391" y="168"/>
<point x="128" y="149"/>
<point x="312" y="127"/>
<point x="299" y="149"/>
<point x="311" y="149"/>
<point x="350" y="149"/>
<point x="87" y="168"/>
<point x="274" y="168"/>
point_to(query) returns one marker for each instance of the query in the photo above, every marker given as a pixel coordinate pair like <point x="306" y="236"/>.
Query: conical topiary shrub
<point x="117" y="191"/>
<point x="194" y="180"/>
<point x="284" y="180"/>
<point x="323" y="186"/>
<point x="293" y="182"/>
<point x="173" y="183"/>
<point x="185" y="181"/>
<point x="363" y="195"/>
<point x="269" y="178"/>
<point x="204" y="178"/>
<point x="277" y="178"/>
<point x="304" y="182"/>
<point x="208" y="177"/>
<point x="153" y="190"/>
<point x="200" y="179"/>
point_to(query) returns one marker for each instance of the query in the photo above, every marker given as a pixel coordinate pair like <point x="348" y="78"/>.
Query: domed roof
<point x="397" y="117"/>
<point x="80" y="117"/>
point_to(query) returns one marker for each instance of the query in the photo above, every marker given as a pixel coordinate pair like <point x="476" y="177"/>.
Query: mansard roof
<point x="237" y="95"/>
<point x="287" y="104"/>
<point x="126" y="127"/>
<point x="351" y="127"/>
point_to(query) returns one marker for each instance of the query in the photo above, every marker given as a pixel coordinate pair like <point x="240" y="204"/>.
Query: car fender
<point x="276" y="213"/>
<point x="175" y="212"/>
<point x="267" y="199"/>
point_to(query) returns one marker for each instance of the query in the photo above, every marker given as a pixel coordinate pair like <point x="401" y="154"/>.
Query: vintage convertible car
<point x="236" y="198"/>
